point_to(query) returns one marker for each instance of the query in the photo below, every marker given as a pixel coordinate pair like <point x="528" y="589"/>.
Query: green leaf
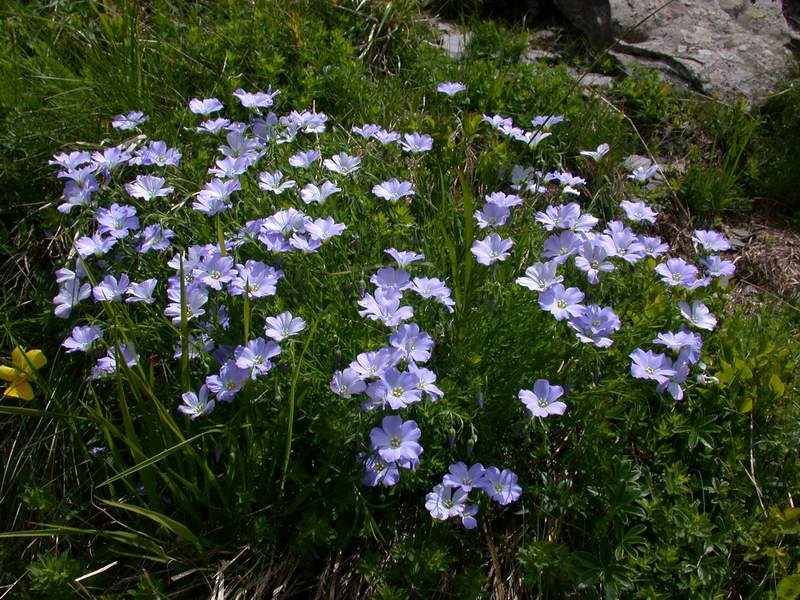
<point x="746" y="405"/>
<point x="125" y="537"/>
<point x="776" y="386"/>
<point x="789" y="588"/>
<point x="157" y="457"/>
<point x="174" y="526"/>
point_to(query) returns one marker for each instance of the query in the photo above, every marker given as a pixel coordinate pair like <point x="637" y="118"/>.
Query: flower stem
<point x="292" y="391"/>
<point x="184" y="330"/>
<point x="220" y="235"/>
<point x="246" y="318"/>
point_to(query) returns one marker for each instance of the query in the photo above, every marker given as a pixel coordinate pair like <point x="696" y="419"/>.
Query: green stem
<point x="220" y="235"/>
<point x="184" y="331"/>
<point x="292" y="391"/>
<point x="469" y="232"/>
<point x="246" y="318"/>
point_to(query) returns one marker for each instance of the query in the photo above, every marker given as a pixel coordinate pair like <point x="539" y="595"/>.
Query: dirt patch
<point x="767" y="255"/>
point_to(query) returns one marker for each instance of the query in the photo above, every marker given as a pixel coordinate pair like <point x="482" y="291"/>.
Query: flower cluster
<point x="392" y="376"/>
<point x="194" y="284"/>
<point x="450" y="499"/>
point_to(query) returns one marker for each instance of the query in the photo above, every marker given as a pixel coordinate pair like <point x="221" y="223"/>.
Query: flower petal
<point x="8" y="373"/>
<point x="19" y="388"/>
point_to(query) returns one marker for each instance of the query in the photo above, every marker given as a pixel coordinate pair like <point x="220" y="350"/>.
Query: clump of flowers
<point x="267" y="205"/>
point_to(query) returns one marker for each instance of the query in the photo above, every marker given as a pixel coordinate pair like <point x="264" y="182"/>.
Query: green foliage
<point x="647" y="98"/>
<point x="51" y="575"/>
<point x="628" y="495"/>
<point x="777" y="147"/>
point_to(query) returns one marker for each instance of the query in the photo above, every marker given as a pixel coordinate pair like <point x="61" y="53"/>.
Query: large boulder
<point x="727" y="48"/>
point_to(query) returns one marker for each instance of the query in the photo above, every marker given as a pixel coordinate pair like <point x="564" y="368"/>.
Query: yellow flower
<point x="23" y="366"/>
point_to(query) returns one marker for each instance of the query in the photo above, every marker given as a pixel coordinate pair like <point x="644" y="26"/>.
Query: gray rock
<point x="634" y="161"/>
<point x="452" y="40"/>
<point x="591" y="80"/>
<point x="727" y="48"/>
<point x="534" y="55"/>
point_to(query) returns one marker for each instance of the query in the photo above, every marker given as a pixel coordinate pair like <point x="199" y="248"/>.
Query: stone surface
<point x="591" y="80"/>
<point x="727" y="48"/>
<point x="534" y="55"/>
<point x="452" y="40"/>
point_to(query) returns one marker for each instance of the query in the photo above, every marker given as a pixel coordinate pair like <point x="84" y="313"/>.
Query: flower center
<point x="395" y="442"/>
<point x="561" y="304"/>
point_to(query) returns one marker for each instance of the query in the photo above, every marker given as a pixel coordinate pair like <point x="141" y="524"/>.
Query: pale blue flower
<point x="385" y="306"/>
<point x="392" y="190"/>
<point x="196" y="405"/>
<point x="346" y="383"/>
<point x="256" y="100"/>
<point x="313" y="193"/>
<point x="677" y="272"/>
<point x="562" y="302"/>
<point x="388" y="278"/>
<point x="255" y="356"/>
<point x="698" y="315"/>
<point x="205" y="106"/>
<point x="415" y="142"/>
<point x="650" y="365"/>
<point x="396" y="439"/>
<point x="342" y="163"/>
<point x="147" y="187"/>
<point x="559" y="217"/>
<point x="283" y="326"/>
<point x="445" y="502"/>
<point x="325" y="229"/>
<point x="130" y="120"/>
<point x="117" y="221"/>
<point x="303" y="160"/>
<point x="464" y="478"/>
<point x="491" y="249"/>
<point x="492" y="215"/>
<point x="404" y="257"/>
<point x="598" y="154"/>
<point x="711" y="240"/>
<point x="543" y="401"/>
<point x="501" y="486"/>
<point x="412" y="343"/>
<point x="271" y="181"/>
<point x="227" y="384"/>
<point x="451" y="88"/>
<point x="642" y="174"/>
<point x="110" y="289"/>
<point x="82" y="338"/>
<point x="213" y="125"/>
<point x="141" y="292"/>
<point x="540" y="276"/>
<point x="638" y="211"/>
<point x="70" y="294"/>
